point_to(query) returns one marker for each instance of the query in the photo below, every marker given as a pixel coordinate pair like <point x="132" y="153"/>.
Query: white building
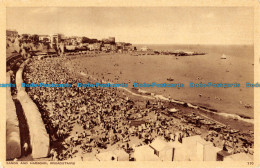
<point x="145" y="48"/>
<point x="46" y="38"/>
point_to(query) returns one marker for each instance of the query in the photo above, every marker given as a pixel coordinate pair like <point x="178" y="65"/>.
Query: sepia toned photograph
<point x="130" y="84"/>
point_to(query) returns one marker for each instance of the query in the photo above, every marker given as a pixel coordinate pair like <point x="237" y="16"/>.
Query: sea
<point x="237" y="68"/>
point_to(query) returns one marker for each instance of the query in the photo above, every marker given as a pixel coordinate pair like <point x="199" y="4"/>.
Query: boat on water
<point x="170" y="79"/>
<point x="223" y="56"/>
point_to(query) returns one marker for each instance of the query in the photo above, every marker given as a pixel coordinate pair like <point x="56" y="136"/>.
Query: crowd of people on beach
<point x="105" y="116"/>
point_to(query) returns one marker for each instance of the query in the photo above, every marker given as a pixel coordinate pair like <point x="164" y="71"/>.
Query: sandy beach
<point x="125" y="68"/>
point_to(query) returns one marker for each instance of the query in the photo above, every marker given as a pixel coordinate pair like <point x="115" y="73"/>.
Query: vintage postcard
<point x="130" y="83"/>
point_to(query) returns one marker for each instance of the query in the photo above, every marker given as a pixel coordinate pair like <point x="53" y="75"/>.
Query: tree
<point x="88" y="40"/>
<point x="25" y="36"/>
<point x="85" y="40"/>
<point x="35" y="38"/>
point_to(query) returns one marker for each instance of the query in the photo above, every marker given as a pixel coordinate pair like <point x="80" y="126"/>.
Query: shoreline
<point x="120" y="68"/>
<point x="210" y="114"/>
<point x="140" y="92"/>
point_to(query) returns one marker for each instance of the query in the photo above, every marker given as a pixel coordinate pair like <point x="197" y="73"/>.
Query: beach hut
<point x="222" y="154"/>
<point x="171" y="151"/>
<point x="157" y="145"/>
<point x="179" y="152"/>
<point x="162" y="149"/>
<point x="199" y="149"/>
<point x="106" y="156"/>
<point x="121" y="155"/>
<point x="116" y="155"/>
<point x="145" y="153"/>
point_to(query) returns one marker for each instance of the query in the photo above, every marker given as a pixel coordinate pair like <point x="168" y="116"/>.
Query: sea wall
<point x="13" y="145"/>
<point x="39" y="137"/>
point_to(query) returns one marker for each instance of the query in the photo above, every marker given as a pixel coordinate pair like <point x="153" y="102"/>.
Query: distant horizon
<point x="139" y="25"/>
<point x="247" y="44"/>
<point x="144" y="43"/>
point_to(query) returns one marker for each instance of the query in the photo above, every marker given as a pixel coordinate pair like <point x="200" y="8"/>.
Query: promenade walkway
<point x="13" y="144"/>
<point x="39" y="138"/>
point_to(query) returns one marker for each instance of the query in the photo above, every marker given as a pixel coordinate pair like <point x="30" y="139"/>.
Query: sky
<point x="139" y="25"/>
